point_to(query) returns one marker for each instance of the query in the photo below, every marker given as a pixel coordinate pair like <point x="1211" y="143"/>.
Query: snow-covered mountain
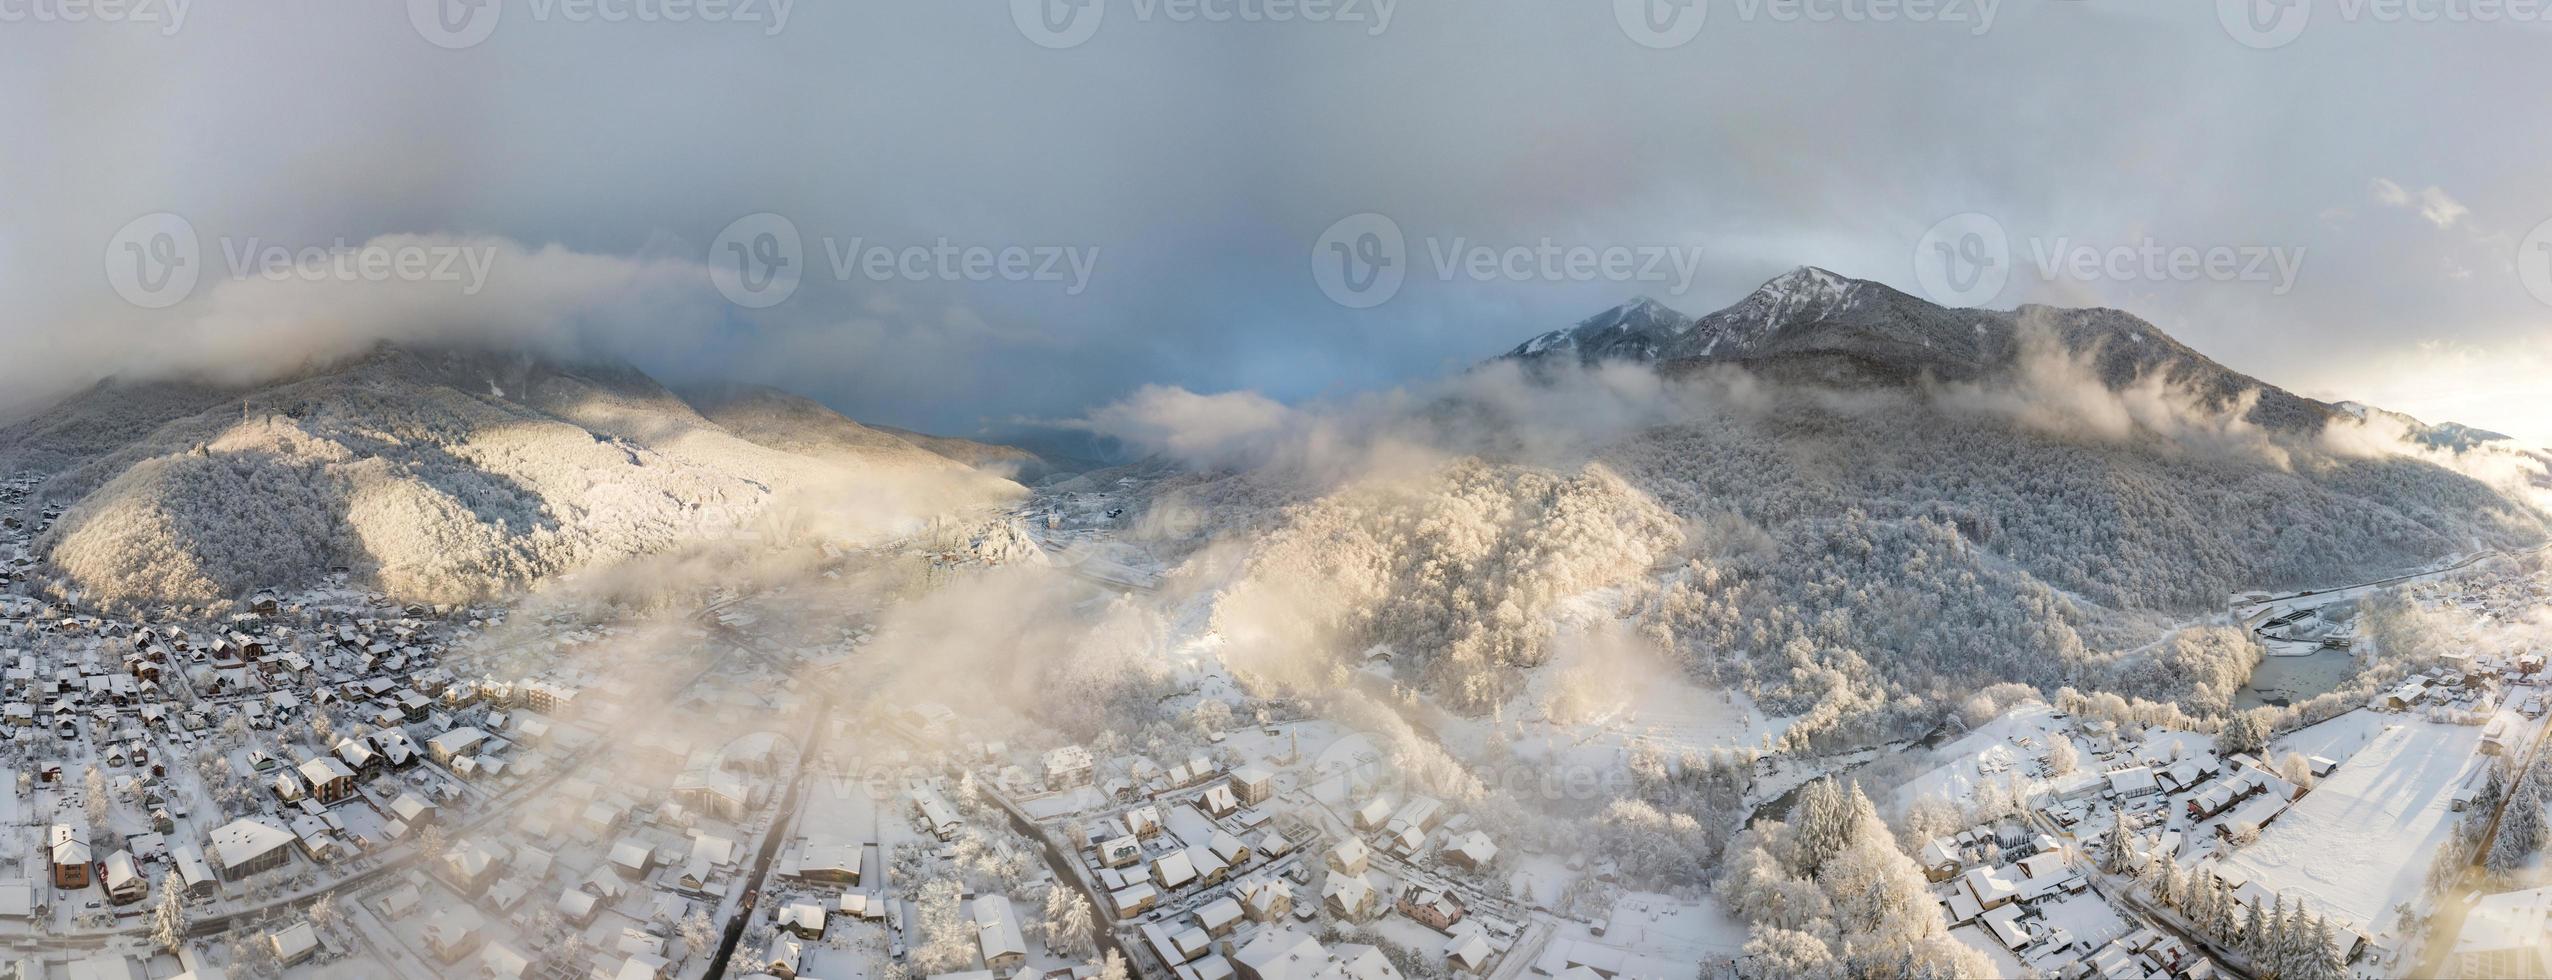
<point x="444" y="475"/>
<point x="1813" y="324"/>
<point x="1635" y="331"/>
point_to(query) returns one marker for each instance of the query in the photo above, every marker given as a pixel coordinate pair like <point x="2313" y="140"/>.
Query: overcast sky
<point x="1192" y="167"/>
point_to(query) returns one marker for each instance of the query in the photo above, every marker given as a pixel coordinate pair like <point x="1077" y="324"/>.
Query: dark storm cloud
<point x="1192" y="164"/>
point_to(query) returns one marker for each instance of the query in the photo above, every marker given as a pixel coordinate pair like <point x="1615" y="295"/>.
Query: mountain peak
<point x="1636" y="330"/>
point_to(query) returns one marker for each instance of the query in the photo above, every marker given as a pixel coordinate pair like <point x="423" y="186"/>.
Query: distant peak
<point x="1639" y="310"/>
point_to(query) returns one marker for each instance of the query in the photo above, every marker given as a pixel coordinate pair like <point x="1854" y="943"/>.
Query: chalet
<point x="1350" y="857"/>
<point x="70" y="853"/>
<point x="997" y="934"/>
<point x="1134" y="899"/>
<point x="1068" y="766"/>
<point x="804" y="920"/>
<point x="1434" y="908"/>
<point x="1349" y="897"/>
<point x="2132" y="782"/>
<point x="124" y="882"/>
<point x="454" y="744"/>
<point x="1373" y="814"/>
<point x="1253" y="785"/>
<point x="330" y="781"/>
<point x="1173" y="870"/>
<point x="247" y="846"/>
<point x="1472" y="850"/>
<point x="1219" y="917"/>
<point x="1120" y="852"/>
<point x="1219" y="800"/>
<point x="1266" y="899"/>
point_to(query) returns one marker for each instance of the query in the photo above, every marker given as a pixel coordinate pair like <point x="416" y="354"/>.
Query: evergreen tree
<point x="1825" y="825"/>
<point x="2271" y="955"/>
<point x="2254" y="931"/>
<point x="2329" y="960"/>
<point x="2175" y="886"/>
<point x="2121" y="843"/>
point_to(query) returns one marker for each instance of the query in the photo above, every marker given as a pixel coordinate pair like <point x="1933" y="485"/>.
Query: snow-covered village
<point x="327" y="783"/>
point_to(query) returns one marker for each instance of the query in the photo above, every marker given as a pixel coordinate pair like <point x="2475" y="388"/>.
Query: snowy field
<point x="2004" y="751"/>
<point x="2359" y="843"/>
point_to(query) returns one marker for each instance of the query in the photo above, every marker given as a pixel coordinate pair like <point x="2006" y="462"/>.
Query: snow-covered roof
<point x="245" y="840"/>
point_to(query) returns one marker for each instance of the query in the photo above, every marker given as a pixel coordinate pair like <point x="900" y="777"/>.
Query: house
<point x="2503" y="937"/>
<point x="1134" y="899"/>
<point x="1988" y="888"/>
<point x="248" y="846"/>
<point x="413" y="810"/>
<point x="455" y="931"/>
<point x="473" y="866"/>
<point x="454" y="744"/>
<point x="329" y="778"/>
<point x="124" y="882"/>
<point x="1219" y="800"/>
<point x="295" y="943"/>
<point x="1349" y="897"/>
<point x="802" y="919"/>
<point x="1266" y="899"/>
<point x="1280" y="954"/>
<point x="1471" y="850"/>
<point x="997" y="935"/>
<point x="1253" y="785"/>
<point x="1433" y="908"/>
<point x="1120" y="852"/>
<point x="70" y="852"/>
<point x="1219" y="917"/>
<point x="2132" y="782"/>
<point x="1174" y="870"/>
<point x="193" y="872"/>
<point x="1068" y="766"/>
<point x="1468" y="952"/>
<point x="1350" y="857"/>
<point x="1373" y="814"/>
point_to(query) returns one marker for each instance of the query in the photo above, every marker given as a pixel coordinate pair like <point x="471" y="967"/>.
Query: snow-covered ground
<point x="2007" y="751"/>
<point x="2360" y="842"/>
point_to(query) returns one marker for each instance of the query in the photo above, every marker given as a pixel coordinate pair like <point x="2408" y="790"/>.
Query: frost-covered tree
<point x="1823" y="825"/>
<point x="947" y="938"/>
<point x="1773" y="953"/>
<point x="1113" y="967"/>
<point x="2118" y="856"/>
<point x="168" y="917"/>
<point x="1067" y="920"/>
<point x="2062" y="757"/>
<point x="699" y="935"/>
